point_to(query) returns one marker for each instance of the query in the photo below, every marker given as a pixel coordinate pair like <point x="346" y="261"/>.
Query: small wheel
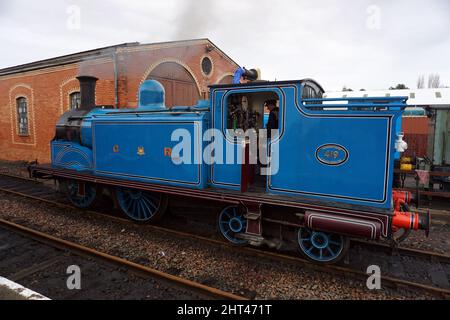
<point x="80" y="194"/>
<point x="141" y="206"/>
<point x="322" y="247"/>
<point x="231" y="223"/>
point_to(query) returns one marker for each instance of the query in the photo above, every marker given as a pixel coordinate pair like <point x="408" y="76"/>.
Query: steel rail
<point x="77" y="248"/>
<point x="445" y="258"/>
<point x="394" y="282"/>
<point x="9" y="175"/>
<point x="404" y="250"/>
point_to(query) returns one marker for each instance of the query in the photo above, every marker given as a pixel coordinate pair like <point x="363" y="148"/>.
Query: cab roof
<point x="267" y="83"/>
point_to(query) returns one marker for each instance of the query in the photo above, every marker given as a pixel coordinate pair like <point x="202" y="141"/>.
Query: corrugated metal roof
<point x="416" y="97"/>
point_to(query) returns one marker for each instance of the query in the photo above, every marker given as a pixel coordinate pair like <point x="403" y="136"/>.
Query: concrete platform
<point x="10" y="290"/>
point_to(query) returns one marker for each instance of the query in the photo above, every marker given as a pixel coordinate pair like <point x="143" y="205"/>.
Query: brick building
<point x="33" y="96"/>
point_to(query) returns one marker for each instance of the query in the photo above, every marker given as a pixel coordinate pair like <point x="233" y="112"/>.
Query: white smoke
<point x="195" y="19"/>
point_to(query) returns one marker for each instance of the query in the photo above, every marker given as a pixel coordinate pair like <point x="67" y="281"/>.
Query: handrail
<point x="186" y="110"/>
<point x="396" y="98"/>
<point x="143" y="112"/>
<point x="354" y="102"/>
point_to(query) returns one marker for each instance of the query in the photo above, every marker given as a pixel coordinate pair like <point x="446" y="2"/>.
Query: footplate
<point x="253" y="216"/>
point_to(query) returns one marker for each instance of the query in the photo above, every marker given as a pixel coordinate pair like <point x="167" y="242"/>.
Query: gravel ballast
<point x="222" y="268"/>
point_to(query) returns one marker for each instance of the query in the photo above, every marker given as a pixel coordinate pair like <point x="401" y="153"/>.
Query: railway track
<point x="442" y="260"/>
<point x="49" y="256"/>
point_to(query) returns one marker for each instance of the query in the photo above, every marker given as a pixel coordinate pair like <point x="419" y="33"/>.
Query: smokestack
<point x="87" y="92"/>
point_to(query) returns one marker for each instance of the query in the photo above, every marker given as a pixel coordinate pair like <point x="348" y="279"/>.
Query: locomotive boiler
<point x="324" y="177"/>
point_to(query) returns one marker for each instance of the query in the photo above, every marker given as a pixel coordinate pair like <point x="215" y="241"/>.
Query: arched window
<point x="179" y="84"/>
<point x="22" y="116"/>
<point x="75" y="100"/>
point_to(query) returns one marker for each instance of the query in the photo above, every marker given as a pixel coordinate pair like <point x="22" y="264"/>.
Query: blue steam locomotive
<point x="325" y="174"/>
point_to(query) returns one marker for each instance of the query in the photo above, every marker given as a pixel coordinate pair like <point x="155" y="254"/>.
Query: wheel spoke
<point x="228" y="215"/>
<point x="149" y="201"/>
<point x="133" y="208"/>
<point x="139" y="205"/>
<point x="128" y="202"/>
<point x="140" y="209"/>
<point x="145" y="212"/>
<point x="320" y="246"/>
<point x="331" y="251"/>
<point x="148" y="212"/>
<point x="306" y="235"/>
<point x="137" y="212"/>
<point x="81" y="201"/>
<point x="152" y="197"/>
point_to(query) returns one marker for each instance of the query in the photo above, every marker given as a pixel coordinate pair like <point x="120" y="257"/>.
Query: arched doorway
<point x="181" y="88"/>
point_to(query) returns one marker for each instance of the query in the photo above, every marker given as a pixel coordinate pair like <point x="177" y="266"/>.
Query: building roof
<point x="97" y="53"/>
<point x="416" y="97"/>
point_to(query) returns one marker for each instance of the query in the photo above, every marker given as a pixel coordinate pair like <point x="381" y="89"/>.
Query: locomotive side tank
<point x="136" y="144"/>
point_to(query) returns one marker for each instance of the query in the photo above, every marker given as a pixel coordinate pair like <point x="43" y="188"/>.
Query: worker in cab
<point x="272" y="123"/>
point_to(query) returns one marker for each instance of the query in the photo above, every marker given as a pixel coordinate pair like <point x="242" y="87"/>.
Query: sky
<point x="370" y="44"/>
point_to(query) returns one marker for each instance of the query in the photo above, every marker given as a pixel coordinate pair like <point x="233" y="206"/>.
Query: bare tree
<point x="399" y="86"/>
<point x="421" y="82"/>
<point x="434" y="81"/>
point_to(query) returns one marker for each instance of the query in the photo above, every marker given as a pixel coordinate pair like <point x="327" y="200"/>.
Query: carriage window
<point x="22" y="116"/>
<point x="75" y="101"/>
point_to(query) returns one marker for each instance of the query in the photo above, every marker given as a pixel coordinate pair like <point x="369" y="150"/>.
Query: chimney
<point x="87" y="92"/>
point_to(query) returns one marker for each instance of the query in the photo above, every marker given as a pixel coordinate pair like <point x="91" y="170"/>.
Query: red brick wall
<point x="43" y="96"/>
<point x="47" y="91"/>
<point x="416" y="135"/>
<point x="138" y="62"/>
<point x="47" y="94"/>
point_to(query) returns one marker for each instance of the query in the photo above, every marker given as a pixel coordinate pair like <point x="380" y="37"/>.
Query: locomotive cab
<point x="247" y="117"/>
<point x="245" y="120"/>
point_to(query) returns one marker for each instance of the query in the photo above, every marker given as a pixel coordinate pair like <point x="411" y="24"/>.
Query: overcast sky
<point x="358" y="43"/>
